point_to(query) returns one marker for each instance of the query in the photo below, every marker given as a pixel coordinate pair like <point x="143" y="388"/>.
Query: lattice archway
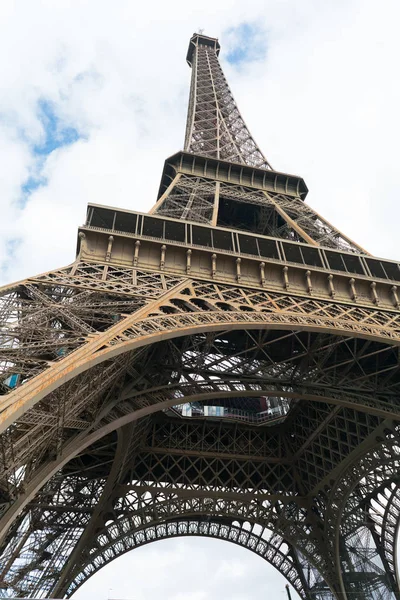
<point x="269" y="547"/>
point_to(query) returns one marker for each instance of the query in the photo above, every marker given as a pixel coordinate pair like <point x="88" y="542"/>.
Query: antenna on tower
<point x="200" y="31"/>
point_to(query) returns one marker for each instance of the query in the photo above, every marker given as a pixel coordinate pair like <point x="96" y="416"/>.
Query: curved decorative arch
<point x="138" y="330"/>
<point x="271" y="548"/>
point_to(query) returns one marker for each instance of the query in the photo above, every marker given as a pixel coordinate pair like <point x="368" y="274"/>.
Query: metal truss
<point x="278" y="215"/>
<point x="215" y="127"/>
<point x="98" y="457"/>
<point x="367" y="498"/>
<point x="191" y="198"/>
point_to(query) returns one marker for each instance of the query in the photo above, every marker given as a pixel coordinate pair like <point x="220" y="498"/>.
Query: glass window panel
<point x="125" y="222"/>
<point x="311" y="256"/>
<point x="376" y="268"/>
<point x="335" y="260"/>
<point x="248" y="244"/>
<point x="392" y="270"/>
<point x="268" y="248"/>
<point x="222" y="239"/>
<point x="353" y="264"/>
<point x="102" y="217"/>
<point x="153" y="227"/>
<point x="174" y="231"/>
<point x="201" y="236"/>
<point x="293" y="253"/>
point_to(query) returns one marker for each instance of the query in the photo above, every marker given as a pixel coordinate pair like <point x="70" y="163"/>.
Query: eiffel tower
<point x="226" y="366"/>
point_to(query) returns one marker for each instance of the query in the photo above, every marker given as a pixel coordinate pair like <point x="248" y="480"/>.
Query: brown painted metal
<point x="99" y="359"/>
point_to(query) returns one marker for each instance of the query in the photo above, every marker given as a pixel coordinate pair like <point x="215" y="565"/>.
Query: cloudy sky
<point x="93" y="99"/>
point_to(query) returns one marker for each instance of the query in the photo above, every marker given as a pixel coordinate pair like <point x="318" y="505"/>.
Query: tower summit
<point x="215" y="127"/>
<point x="226" y="365"/>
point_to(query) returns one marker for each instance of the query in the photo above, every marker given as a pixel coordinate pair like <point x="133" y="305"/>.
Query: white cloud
<point x="322" y="104"/>
<point x="232" y="569"/>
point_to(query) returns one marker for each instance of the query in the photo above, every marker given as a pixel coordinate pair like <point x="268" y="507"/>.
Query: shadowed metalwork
<point x="226" y="365"/>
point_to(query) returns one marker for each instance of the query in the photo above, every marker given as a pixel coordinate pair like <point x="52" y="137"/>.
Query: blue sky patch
<point x="56" y="134"/>
<point x="248" y="42"/>
<point x="32" y="183"/>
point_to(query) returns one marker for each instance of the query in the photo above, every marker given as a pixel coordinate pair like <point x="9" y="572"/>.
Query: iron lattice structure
<point x="226" y="365"/>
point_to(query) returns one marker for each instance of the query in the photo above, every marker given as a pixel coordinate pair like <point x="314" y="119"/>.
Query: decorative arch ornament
<point x="269" y="547"/>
